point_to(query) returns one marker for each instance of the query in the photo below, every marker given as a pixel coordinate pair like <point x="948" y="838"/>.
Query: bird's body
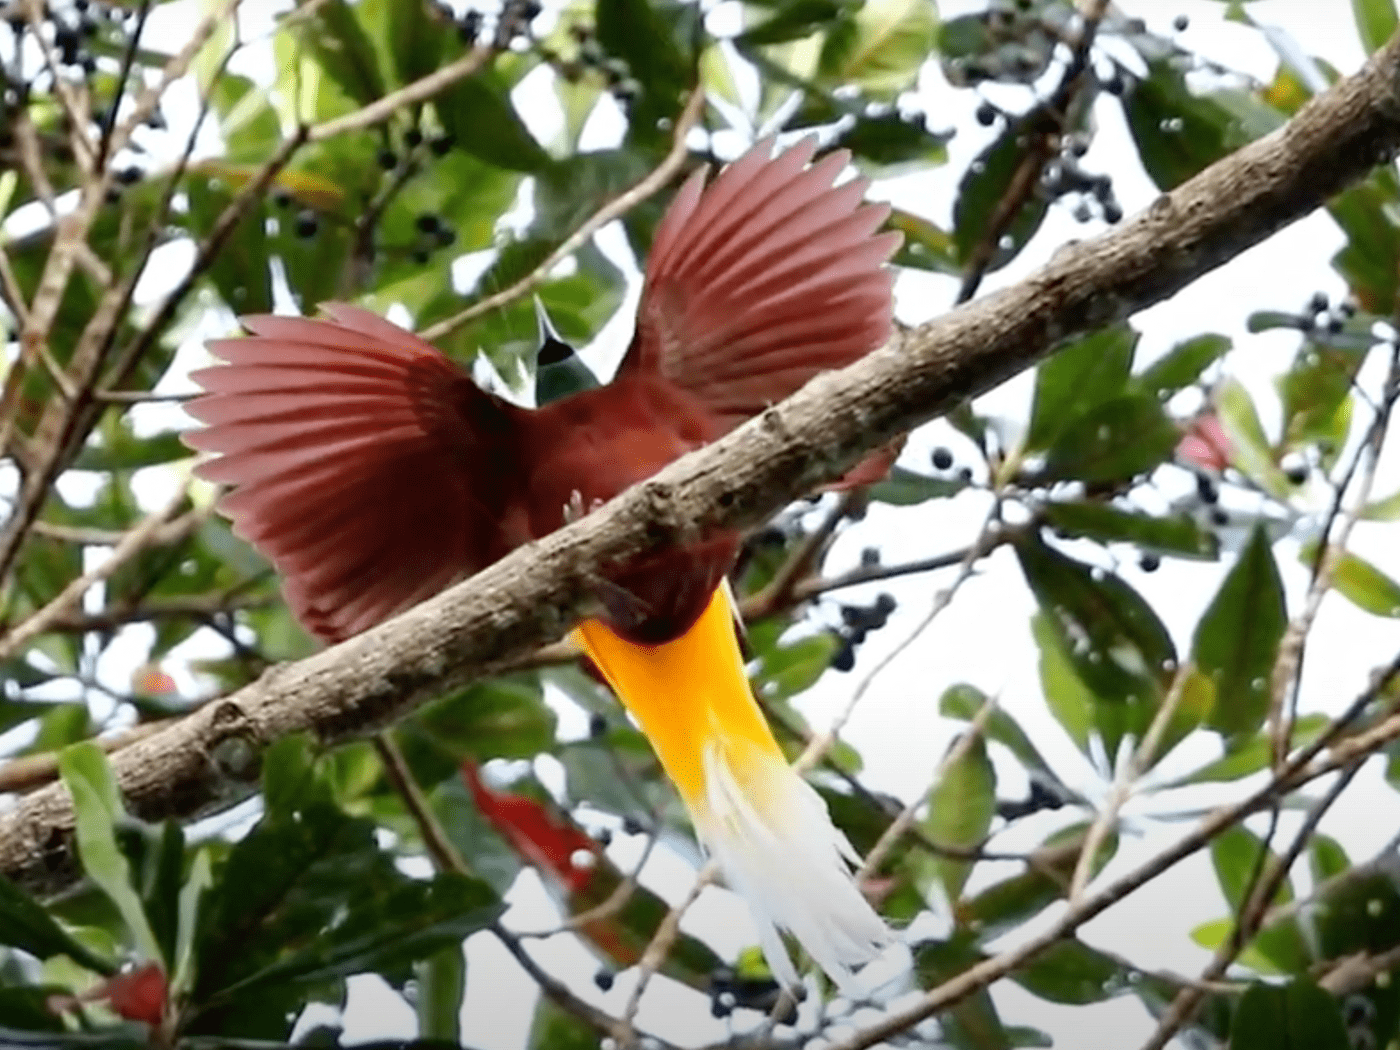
<point x="374" y="472"/>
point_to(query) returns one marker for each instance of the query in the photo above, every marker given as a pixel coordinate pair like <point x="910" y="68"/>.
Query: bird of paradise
<point x="373" y="472"/>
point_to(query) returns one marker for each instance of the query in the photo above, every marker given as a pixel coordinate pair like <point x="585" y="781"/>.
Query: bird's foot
<point x="574" y="509"/>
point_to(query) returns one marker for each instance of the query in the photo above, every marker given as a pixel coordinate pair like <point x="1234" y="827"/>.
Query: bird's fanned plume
<point x="373" y="472"/>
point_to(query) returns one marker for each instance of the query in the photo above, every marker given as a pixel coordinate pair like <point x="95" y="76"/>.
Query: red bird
<point x="373" y="472"/>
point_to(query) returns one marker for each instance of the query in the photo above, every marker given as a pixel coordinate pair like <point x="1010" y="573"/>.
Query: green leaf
<point x="1362" y="914"/>
<point x="1361" y="583"/>
<point x="478" y="114"/>
<point x="905" y="488"/>
<point x="192" y="893"/>
<point x="790" y="20"/>
<point x="415" y="39"/>
<point x="1235" y="855"/>
<point x="645" y="35"/>
<point x="416" y="920"/>
<point x="1178" y="133"/>
<point x="1005" y="905"/>
<point x="1375" y="22"/>
<point x="964" y="701"/>
<point x="1237" y="638"/>
<point x="1370" y="260"/>
<point x="1298" y="1016"/>
<point x="1069" y="700"/>
<point x="1178" y="535"/>
<point x="341" y="46"/>
<point x="554" y="1029"/>
<point x="1387" y="509"/>
<point x="927" y="246"/>
<point x="97" y="806"/>
<point x="500" y="718"/>
<point x="1183" y="364"/>
<point x="880" y="48"/>
<point x="1249" y="448"/>
<point x="1071" y="972"/>
<point x="1077" y="378"/>
<point x="26" y="925"/>
<point x="1116" y="440"/>
<point x="1326" y="858"/>
<point x="240" y="271"/>
<point x="982" y="190"/>
<point x="961" y="808"/>
<point x="1115" y="641"/>
<point x="131" y="452"/>
<point x="972" y="1023"/>
<point x="1249" y="756"/>
<point x="786" y="670"/>
<point x="891" y="144"/>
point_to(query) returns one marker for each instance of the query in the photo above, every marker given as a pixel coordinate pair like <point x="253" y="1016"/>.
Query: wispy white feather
<point x="776" y="844"/>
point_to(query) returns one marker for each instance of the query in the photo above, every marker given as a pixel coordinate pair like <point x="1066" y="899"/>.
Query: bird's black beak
<point x="559" y="371"/>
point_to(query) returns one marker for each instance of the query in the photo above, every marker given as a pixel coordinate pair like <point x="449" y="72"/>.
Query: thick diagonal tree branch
<point x="533" y="595"/>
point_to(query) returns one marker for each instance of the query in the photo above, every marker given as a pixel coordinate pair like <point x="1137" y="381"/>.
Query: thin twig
<point x="891" y="835"/>
<point x="822" y="742"/>
<point x="1142" y="757"/>
<point x="615" y="208"/>
<point x="136" y="541"/>
<point x="1285" y="680"/>
<point x="778" y="593"/>
<point x="420" y="90"/>
<point x="1295" y="774"/>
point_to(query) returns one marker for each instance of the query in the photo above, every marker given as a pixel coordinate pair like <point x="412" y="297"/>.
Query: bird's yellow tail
<point x="767" y="827"/>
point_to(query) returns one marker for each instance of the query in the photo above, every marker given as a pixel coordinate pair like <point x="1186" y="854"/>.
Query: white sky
<point x="984" y="639"/>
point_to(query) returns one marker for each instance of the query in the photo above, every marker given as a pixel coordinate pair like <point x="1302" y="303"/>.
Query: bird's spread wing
<point x="767" y="277"/>
<point x="367" y="466"/>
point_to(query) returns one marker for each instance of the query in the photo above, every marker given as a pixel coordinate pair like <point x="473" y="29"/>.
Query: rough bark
<point x="532" y="596"/>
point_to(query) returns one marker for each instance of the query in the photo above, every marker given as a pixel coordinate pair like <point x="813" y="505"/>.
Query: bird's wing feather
<point x="763" y="279"/>
<point x="367" y="466"/>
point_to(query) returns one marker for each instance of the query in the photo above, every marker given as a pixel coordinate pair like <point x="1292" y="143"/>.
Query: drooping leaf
<point x="1179" y="132"/>
<point x="789" y="20"/>
<point x="961" y="808"/>
<point x="904" y="488"/>
<point x="478" y="114"/>
<point x="1115" y="641"/>
<point x="1177" y="535"/>
<point x="1005" y="905"/>
<point x="1073" y="973"/>
<point x="1080" y="376"/>
<point x="1235" y="854"/>
<point x="1115" y="440"/>
<point x="893" y="144"/>
<point x="26" y="925"/>
<point x="981" y="193"/>
<point x="1069" y="700"/>
<point x="97" y="807"/>
<point x="1249" y="448"/>
<point x="879" y="47"/>
<point x="964" y="701"/>
<point x="1183" y="364"/>
<point x="1237" y="638"/>
<point x="1370" y="260"/>
<point x="1375" y="22"/>
<point x="1298" y="1016"/>
<point x="926" y="246"/>
<point x="1360" y="582"/>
